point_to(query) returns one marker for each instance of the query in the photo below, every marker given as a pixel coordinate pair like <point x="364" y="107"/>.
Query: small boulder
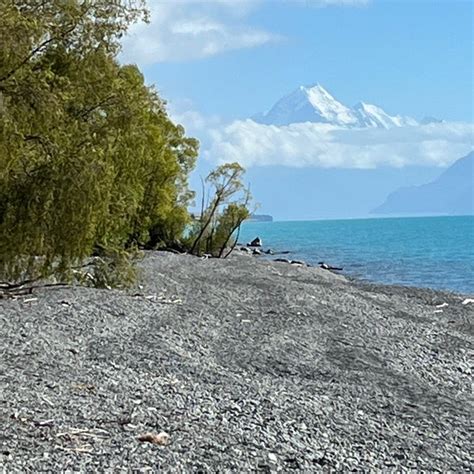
<point x="257" y="242"/>
<point x="329" y="267"/>
<point x="161" y="439"/>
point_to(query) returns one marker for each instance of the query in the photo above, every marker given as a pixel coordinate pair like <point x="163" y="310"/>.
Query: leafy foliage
<point x="213" y="232"/>
<point x="89" y="158"/>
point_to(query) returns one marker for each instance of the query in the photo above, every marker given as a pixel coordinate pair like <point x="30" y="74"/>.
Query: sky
<point x="219" y="62"/>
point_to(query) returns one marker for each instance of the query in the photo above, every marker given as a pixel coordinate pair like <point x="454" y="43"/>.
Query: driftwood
<point x="22" y="290"/>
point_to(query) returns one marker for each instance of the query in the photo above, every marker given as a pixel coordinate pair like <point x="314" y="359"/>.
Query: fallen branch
<point x="14" y="290"/>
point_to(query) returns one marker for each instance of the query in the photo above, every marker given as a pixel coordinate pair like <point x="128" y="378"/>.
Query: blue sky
<point x="219" y="62"/>
<point x="410" y="57"/>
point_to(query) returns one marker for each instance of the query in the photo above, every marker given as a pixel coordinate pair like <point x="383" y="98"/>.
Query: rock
<point x="269" y="252"/>
<point x="329" y="267"/>
<point x="245" y="249"/>
<point x="161" y="439"/>
<point x="256" y="252"/>
<point x="257" y="242"/>
<point x="285" y="260"/>
<point x="297" y="262"/>
<point x="272" y="457"/>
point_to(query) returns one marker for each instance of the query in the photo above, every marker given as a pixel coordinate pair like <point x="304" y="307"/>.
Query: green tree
<point x="89" y="159"/>
<point x="228" y="223"/>
<point x="223" y="215"/>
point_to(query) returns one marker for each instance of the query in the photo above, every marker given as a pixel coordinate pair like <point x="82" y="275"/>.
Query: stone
<point x="257" y="242"/>
<point x="161" y="438"/>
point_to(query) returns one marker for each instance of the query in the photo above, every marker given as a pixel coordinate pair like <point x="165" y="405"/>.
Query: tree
<point x="224" y="214"/>
<point x="89" y="160"/>
<point x="229" y="222"/>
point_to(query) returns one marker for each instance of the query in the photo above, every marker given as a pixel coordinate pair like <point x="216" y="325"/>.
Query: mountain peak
<point x="309" y="104"/>
<point x="362" y="106"/>
<point x="314" y="85"/>
<point x="313" y="103"/>
<point x="317" y="87"/>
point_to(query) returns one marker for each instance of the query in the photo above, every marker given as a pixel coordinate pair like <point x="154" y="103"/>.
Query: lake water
<point x="433" y="252"/>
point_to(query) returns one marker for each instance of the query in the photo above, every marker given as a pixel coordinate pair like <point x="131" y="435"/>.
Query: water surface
<point x="434" y="252"/>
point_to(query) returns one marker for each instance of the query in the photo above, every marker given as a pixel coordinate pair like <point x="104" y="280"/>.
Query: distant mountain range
<point x="450" y="194"/>
<point x="315" y="104"/>
<point x="260" y="218"/>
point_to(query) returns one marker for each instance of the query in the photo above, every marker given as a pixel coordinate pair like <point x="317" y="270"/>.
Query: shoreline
<point x="423" y="253"/>
<point x="246" y="364"/>
<point x="351" y="278"/>
<point x="363" y="282"/>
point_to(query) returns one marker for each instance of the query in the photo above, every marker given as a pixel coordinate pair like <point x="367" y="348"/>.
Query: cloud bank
<point x="328" y="146"/>
<point x="320" y="145"/>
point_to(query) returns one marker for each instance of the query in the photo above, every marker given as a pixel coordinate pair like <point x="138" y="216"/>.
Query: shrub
<point x="88" y="156"/>
<point x="213" y="233"/>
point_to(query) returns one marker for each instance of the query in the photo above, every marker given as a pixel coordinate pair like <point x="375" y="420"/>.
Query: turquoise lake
<point x="433" y="252"/>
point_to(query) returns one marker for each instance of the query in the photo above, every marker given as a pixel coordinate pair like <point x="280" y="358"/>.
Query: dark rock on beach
<point x="257" y="242"/>
<point x="245" y="249"/>
<point x="236" y="365"/>
<point x="298" y="262"/>
<point x="325" y="266"/>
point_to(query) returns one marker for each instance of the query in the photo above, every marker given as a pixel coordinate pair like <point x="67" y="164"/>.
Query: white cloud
<point x="181" y="30"/>
<point x="195" y="123"/>
<point x="328" y="146"/>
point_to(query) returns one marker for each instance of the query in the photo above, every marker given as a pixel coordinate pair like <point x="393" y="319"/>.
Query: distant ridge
<point x="451" y="194"/>
<point x="260" y="218"/>
<point x="315" y="104"/>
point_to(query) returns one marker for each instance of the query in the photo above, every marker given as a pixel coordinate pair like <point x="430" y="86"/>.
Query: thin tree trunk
<point x="206" y="225"/>
<point x="236" y="228"/>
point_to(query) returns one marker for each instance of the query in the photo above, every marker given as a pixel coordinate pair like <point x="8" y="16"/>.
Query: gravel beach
<point x="245" y="364"/>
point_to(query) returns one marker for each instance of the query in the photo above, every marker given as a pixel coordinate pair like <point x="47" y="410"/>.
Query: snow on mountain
<point x="326" y="106"/>
<point x="309" y="104"/>
<point x="315" y="104"/>
<point x="373" y="116"/>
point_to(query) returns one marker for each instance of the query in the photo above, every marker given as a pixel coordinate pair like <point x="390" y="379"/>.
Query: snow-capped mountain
<point x="316" y="104"/>
<point x="372" y="116"/>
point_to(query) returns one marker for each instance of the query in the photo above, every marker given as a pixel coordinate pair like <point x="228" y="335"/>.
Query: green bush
<point x="214" y="232"/>
<point x="88" y="156"/>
